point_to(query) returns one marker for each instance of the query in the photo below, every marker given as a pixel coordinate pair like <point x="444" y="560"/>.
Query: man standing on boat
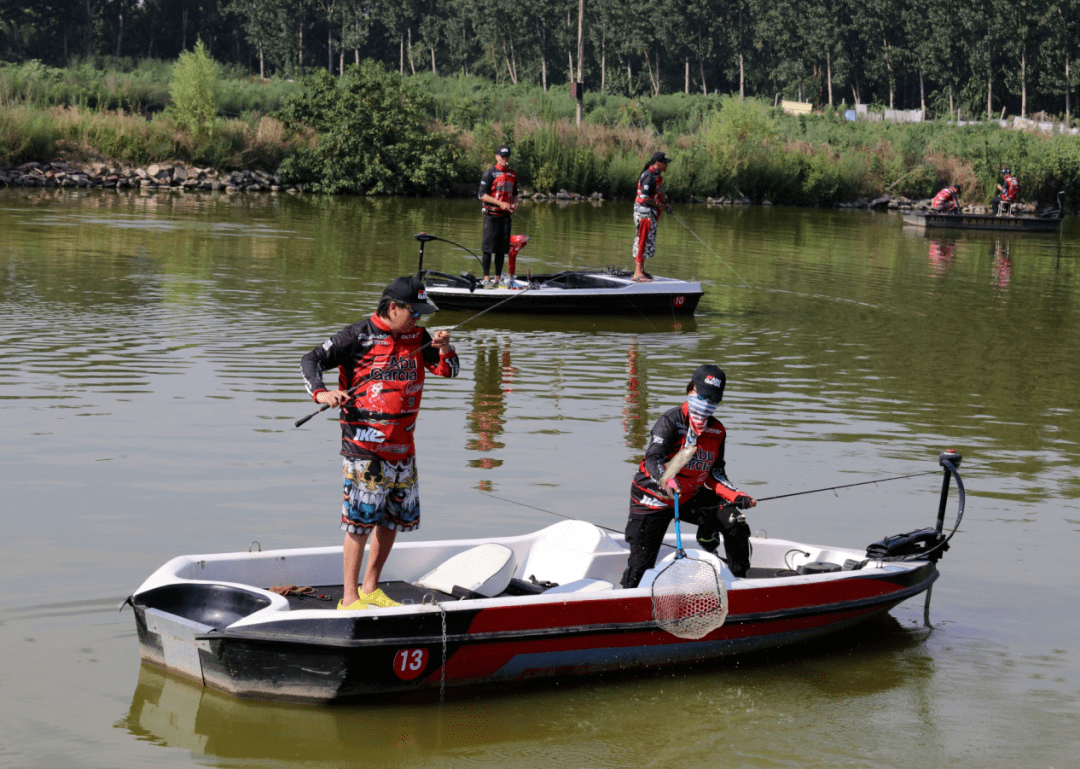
<point x="499" y="193"/>
<point x="706" y="496"/>
<point x="1008" y="190"/>
<point x="648" y="205"/>
<point x="381" y="363"/>
<point x="947" y="201"/>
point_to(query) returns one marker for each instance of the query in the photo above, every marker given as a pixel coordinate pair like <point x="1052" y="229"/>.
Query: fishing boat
<point x="1049" y="222"/>
<point x="608" y="291"/>
<point x="496" y="610"/>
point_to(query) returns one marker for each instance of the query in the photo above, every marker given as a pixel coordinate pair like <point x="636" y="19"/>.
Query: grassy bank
<point x="720" y="146"/>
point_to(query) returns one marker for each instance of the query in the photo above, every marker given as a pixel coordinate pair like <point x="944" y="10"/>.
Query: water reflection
<point x="942" y="252"/>
<point x="494" y="377"/>
<point x="635" y="413"/>
<point x="1002" y="267"/>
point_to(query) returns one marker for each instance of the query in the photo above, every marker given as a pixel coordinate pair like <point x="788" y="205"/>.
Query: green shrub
<point x="195" y="91"/>
<point x="374" y="135"/>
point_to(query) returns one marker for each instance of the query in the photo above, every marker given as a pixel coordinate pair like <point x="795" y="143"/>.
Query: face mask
<point x="700" y="410"/>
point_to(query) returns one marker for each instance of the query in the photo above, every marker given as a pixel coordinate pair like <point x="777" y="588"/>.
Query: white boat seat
<point x="581" y="586"/>
<point x="485" y="570"/>
<point x="571" y="550"/>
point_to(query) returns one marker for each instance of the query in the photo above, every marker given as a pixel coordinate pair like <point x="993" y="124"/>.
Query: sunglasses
<point x="415" y="315"/>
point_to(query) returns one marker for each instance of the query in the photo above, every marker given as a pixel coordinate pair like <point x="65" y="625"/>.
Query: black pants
<point x="645" y="530"/>
<point x="496" y="242"/>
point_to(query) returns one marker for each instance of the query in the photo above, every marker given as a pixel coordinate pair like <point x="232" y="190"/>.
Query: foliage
<point x="374" y="135"/>
<point x="195" y="91"/>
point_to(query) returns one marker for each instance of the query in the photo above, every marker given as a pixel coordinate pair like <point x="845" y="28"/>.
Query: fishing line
<point x="397" y="362"/>
<point x="722" y="260"/>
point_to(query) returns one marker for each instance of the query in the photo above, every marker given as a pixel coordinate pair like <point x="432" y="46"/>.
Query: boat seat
<point x="1005" y="209"/>
<point x="484" y="570"/>
<point x="572" y="550"/>
<point x="582" y="586"/>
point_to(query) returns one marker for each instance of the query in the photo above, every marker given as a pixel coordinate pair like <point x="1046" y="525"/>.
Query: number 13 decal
<point x="409" y="663"/>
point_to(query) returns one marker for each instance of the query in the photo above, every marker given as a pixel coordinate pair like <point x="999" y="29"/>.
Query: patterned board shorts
<point x="645" y="221"/>
<point x="379" y="492"/>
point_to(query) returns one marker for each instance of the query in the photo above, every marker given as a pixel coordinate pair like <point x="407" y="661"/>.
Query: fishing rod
<point x="762" y="499"/>
<point x="398" y="361"/>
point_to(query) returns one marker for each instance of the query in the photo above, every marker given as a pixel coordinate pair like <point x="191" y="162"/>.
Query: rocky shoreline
<point x="150" y="178"/>
<point x="182" y="178"/>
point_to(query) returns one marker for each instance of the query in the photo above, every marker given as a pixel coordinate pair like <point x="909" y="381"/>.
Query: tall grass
<point x="32" y="134"/>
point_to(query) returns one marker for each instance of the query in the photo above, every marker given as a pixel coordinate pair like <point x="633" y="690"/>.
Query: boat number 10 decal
<point x="679" y="301"/>
<point x="409" y="663"/>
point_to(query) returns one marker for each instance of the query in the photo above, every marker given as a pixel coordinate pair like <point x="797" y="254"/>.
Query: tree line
<point x="976" y="58"/>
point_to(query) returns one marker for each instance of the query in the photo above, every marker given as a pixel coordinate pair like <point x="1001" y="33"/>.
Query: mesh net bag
<point x="689" y="600"/>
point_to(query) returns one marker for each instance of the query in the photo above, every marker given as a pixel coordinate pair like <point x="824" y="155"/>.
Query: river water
<point x="149" y="381"/>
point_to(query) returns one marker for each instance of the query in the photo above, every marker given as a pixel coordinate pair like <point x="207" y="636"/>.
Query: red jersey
<point x="1010" y="189"/>
<point x="379" y="418"/>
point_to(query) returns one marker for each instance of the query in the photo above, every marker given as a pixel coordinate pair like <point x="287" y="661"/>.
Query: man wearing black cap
<point x="687" y="445"/>
<point x="499" y="193"/>
<point x="648" y="205"/>
<point x="381" y="363"/>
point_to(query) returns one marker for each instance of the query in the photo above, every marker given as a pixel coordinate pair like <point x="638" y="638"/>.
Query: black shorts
<point x="496" y="235"/>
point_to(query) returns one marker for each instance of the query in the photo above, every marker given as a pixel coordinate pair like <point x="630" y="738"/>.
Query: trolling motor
<point x="466" y="279"/>
<point x="931" y="543"/>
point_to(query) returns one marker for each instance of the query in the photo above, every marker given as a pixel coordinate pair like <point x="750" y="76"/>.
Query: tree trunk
<point x="262" y="64"/>
<point x="951" y="113"/>
<point x="922" y="94"/>
<point x="1023" y="81"/>
<point x="301" y="59"/>
<point x="629" y="79"/>
<point x="401" y="55"/>
<point x="701" y="67"/>
<point x="1068" y="90"/>
<point x="990" y="98"/>
<point x="742" y="78"/>
<point x="828" y="74"/>
<point x="433" y="70"/>
<point x="686" y="75"/>
<point x="543" y="72"/>
<point x="120" y="30"/>
<point x="412" y="64"/>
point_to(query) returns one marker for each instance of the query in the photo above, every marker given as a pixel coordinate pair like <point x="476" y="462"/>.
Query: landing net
<point x="689" y="599"/>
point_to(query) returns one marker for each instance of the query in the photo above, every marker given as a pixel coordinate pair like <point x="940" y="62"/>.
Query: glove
<point x="672" y="488"/>
<point x="743" y="501"/>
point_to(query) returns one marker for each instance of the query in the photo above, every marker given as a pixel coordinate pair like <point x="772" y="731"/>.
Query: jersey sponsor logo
<point x="657" y="439"/>
<point x="412" y="389"/>
<point x="650" y="501"/>
<point x="369" y="435"/>
<point x="328" y="344"/>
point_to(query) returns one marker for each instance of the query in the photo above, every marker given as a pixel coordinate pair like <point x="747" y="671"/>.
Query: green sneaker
<point x="378" y="599"/>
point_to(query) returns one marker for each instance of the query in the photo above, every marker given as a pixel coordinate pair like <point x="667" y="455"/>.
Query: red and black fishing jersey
<point x="650" y="188"/>
<point x="379" y="418"/>
<point x="501" y="184"/>
<point x="945" y="201"/>
<point x="1010" y="190"/>
<point x="706" y="469"/>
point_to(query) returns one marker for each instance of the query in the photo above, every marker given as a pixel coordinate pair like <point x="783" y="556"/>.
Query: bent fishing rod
<point x="762" y="499"/>
<point x="397" y="362"/>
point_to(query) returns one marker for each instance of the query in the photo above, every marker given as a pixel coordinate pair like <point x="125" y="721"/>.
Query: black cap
<point x="709" y="381"/>
<point x="409" y="290"/>
<point x="503" y="151"/>
<point x="660" y="157"/>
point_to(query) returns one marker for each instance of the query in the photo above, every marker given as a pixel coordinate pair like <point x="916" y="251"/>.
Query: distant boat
<point x="932" y="219"/>
<point x="607" y="291"/>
